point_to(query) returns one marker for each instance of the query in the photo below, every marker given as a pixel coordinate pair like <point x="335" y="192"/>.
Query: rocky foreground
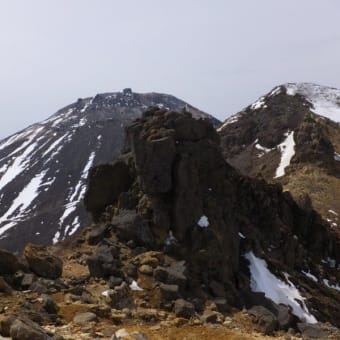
<point x="167" y="255"/>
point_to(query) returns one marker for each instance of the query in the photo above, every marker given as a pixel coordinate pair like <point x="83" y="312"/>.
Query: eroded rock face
<point x="184" y="197"/>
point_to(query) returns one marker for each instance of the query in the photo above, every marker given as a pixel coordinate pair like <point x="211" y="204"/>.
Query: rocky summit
<point x="291" y="136"/>
<point x="43" y="169"/>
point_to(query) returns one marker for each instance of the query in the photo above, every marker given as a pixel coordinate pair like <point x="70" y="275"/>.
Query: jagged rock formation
<point x="43" y="168"/>
<point x="286" y="136"/>
<point x="186" y="200"/>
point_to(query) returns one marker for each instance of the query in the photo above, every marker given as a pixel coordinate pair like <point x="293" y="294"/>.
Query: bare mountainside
<point x="43" y="169"/>
<point x="291" y="136"/>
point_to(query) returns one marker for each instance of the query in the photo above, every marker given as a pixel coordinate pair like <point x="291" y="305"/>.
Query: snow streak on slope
<point x="20" y="162"/>
<point x="287" y="148"/>
<point x="262" y="280"/>
<point x="325" y="100"/>
<point x="21" y="203"/>
<point x="75" y="198"/>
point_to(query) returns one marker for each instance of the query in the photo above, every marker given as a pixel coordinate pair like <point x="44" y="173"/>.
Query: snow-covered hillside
<point x="43" y="169"/>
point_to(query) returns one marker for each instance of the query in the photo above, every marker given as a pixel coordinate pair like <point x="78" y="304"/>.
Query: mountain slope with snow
<point x="291" y="135"/>
<point x="43" y="169"/>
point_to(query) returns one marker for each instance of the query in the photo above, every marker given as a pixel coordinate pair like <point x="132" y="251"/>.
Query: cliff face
<point x="185" y="199"/>
<point x="291" y="136"/>
<point x="43" y="169"/>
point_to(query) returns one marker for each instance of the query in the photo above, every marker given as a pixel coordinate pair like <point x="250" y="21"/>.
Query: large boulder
<point x="25" y="329"/>
<point x="105" y="262"/>
<point x="9" y="263"/>
<point x="42" y="262"/>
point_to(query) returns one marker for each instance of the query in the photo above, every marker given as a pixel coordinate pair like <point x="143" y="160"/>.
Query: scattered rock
<point x="184" y="309"/>
<point x="145" y="269"/>
<point x="264" y="318"/>
<point x="98" y="233"/>
<point x="169" y="292"/>
<point x="105" y="262"/>
<point x="313" y="331"/>
<point x="42" y="262"/>
<point x="24" y="329"/>
<point x="49" y="305"/>
<point x="84" y="318"/>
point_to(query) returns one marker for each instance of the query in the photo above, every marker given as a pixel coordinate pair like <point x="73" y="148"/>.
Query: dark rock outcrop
<point x="42" y="262"/>
<point x="183" y="193"/>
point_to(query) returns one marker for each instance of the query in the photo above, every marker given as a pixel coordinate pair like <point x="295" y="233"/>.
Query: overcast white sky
<point x="219" y="55"/>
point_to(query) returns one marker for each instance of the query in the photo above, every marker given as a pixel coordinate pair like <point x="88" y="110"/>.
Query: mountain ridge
<point x="43" y="168"/>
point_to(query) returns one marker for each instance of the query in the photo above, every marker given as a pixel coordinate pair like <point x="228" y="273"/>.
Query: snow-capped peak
<point x="325" y="100"/>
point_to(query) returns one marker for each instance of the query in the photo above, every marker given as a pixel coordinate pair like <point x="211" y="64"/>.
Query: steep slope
<point x="43" y="168"/>
<point x="291" y="136"/>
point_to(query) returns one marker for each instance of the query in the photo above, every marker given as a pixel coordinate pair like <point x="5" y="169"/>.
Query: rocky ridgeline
<point x="173" y="222"/>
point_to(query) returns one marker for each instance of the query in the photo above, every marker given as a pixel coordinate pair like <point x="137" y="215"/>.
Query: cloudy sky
<point x="219" y="55"/>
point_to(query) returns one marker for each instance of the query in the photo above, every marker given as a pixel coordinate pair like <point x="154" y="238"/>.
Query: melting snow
<point x="22" y="202"/>
<point x="230" y="120"/>
<point x="203" y="222"/>
<point x="261" y="148"/>
<point x="310" y="276"/>
<point x="17" y="166"/>
<point x="287" y="148"/>
<point x="241" y="235"/>
<point x="134" y="286"/>
<point x="260" y="103"/>
<point x="336" y="287"/>
<point x="325" y="100"/>
<point x="333" y="212"/>
<point x="262" y="280"/>
<point x="53" y="145"/>
<point x="75" y="198"/>
<point x="337" y="156"/>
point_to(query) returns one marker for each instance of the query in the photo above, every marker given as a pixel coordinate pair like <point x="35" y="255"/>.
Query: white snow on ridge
<point x="231" y="120"/>
<point x="259" y="104"/>
<point x="325" y="100"/>
<point x="287" y="148"/>
<point x="75" y="198"/>
<point x="262" y="280"/>
<point x="17" y="167"/>
<point x="336" y="287"/>
<point x="24" y="199"/>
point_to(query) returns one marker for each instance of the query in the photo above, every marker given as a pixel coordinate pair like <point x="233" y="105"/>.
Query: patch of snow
<point x="275" y="92"/>
<point x="325" y="100"/>
<point x="203" y="222"/>
<point x="106" y="293"/>
<point x="17" y="167"/>
<point x="87" y="104"/>
<point x="134" y="286"/>
<point x="337" y="156"/>
<point x="231" y="120"/>
<point x="262" y="280"/>
<point x="56" y="237"/>
<point x="241" y="235"/>
<point x="333" y="212"/>
<point x="78" y="192"/>
<point x="287" y="148"/>
<point x="259" y="104"/>
<point x="24" y="199"/>
<point x="310" y="276"/>
<point x="54" y="145"/>
<point x="326" y="282"/>
<point x="261" y="148"/>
